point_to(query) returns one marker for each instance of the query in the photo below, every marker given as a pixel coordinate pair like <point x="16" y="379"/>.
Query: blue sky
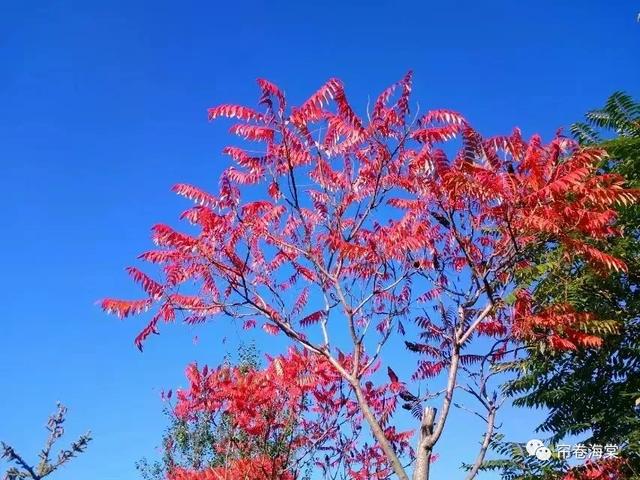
<point x="103" y="108"/>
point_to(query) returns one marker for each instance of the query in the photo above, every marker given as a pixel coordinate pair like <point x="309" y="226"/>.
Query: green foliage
<point x="594" y="393"/>
<point x="516" y="464"/>
<point x="186" y="444"/>
<point x="620" y="116"/>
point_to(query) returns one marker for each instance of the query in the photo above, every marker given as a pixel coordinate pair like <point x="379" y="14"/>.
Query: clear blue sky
<point x="103" y="108"/>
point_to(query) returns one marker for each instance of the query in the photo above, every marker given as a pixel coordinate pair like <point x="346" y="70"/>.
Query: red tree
<point x="366" y="233"/>
<point x="277" y="419"/>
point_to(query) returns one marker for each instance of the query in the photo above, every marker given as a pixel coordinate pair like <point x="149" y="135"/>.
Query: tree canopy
<point x="595" y="394"/>
<point x="350" y="237"/>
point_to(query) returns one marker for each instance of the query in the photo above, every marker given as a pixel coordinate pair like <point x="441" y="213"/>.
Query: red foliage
<point x="254" y="468"/>
<point x="607" y="469"/>
<point x="518" y="192"/>
<point x="559" y="325"/>
<point x="372" y="224"/>
<point x="293" y="407"/>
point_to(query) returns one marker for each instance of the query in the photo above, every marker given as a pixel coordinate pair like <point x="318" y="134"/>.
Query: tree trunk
<point x="379" y="435"/>
<point x="491" y="419"/>
<point x="423" y="452"/>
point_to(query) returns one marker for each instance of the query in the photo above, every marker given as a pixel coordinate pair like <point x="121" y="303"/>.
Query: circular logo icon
<point x="533" y="445"/>
<point x="543" y="453"/>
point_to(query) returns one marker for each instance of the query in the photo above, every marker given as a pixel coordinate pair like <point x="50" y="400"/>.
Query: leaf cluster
<point x="595" y="393"/>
